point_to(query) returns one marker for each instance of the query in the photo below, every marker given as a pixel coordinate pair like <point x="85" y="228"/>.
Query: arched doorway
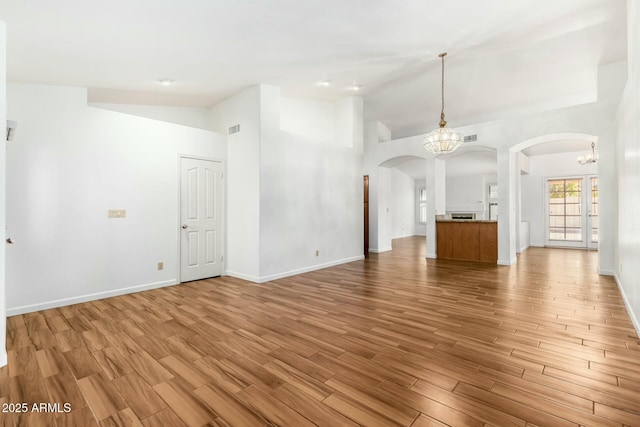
<point x="556" y="197"/>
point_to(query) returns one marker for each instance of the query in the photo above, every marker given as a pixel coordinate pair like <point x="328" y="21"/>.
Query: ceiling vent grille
<point x="234" y="129"/>
<point x="471" y="138"/>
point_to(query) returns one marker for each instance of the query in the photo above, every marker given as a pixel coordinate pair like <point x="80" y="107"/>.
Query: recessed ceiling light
<point x="324" y="83"/>
<point x="165" y="82"/>
<point x="355" y="87"/>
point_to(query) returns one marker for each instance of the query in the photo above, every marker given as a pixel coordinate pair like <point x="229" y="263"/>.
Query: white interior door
<point x="201" y="201"/>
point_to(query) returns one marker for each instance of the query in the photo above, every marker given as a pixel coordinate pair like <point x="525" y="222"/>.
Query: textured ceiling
<point x="505" y="57"/>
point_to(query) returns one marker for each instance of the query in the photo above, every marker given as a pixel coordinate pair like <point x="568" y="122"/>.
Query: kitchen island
<point x="467" y="240"/>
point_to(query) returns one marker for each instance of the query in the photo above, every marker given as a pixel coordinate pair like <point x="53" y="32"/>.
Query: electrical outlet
<point x="317" y="252"/>
<point x="161" y="266"/>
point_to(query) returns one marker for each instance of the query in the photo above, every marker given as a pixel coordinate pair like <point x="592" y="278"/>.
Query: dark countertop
<point x="466" y="220"/>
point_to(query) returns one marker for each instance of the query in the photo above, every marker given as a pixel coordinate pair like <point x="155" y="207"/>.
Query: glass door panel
<point x="565" y="213"/>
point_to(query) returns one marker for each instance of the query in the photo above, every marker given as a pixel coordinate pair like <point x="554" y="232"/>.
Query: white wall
<point x="335" y="123"/>
<point x="628" y="161"/>
<point x="314" y="120"/>
<point x="294" y="183"/>
<point x="403" y="205"/>
<point x="385" y="202"/>
<point x="533" y="187"/>
<point x="421" y="229"/>
<point x="310" y="189"/>
<point x="243" y="181"/>
<point x="197" y="117"/>
<point x="468" y="194"/>
<point x="70" y="163"/>
<point x="3" y="118"/>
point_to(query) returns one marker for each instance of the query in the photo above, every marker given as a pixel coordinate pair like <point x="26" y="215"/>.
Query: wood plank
<point x="124" y="418"/>
<point x="140" y="397"/>
<point x="51" y="362"/>
<point x="82" y="417"/>
<point x="522" y="411"/>
<point x="393" y="339"/>
<point x="63" y="388"/>
<point x="190" y="409"/>
<point x="271" y="409"/>
<point x="101" y="396"/>
<point x="228" y="406"/>
<point x="399" y="412"/>
<point x="164" y="418"/>
<point x="185" y="371"/>
<point x="81" y="362"/>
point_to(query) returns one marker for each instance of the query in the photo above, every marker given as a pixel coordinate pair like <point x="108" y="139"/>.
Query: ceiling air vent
<point x="471" y="138"/>
<point x="234" y="129"/>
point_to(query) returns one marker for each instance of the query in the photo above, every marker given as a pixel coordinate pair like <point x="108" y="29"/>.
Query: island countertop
<point x="466" y="220"/>
<point x="467" y="240"/>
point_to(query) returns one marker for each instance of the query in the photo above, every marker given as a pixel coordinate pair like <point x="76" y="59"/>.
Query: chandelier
<point x="592" y="157"/>
<point x="443" y="140"/>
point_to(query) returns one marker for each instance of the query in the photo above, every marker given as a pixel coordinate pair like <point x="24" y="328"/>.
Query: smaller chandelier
<point x="443" y="140"/>
<point x="589" y="158"/>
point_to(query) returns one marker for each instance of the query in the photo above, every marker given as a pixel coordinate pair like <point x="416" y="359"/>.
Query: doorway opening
<point x="572" y="212"/>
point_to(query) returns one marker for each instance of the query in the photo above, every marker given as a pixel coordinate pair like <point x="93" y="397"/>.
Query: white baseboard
<point x="404" y="236"/>
<point x="247" y="277"/>
<point x="13" y="311"/>
<point x="263" y="279"/>
<point x="432" y="256"/>
<point x="380" y="250"/>
<point x="627" y="304"/>
<point x="3" y="358"/>
<point x="606" y="272"/>
<point x="522" y="249"/>
<point x="507" y="262"/>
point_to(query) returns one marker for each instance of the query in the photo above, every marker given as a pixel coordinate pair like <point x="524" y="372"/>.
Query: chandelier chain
<point x="442" y="85"/>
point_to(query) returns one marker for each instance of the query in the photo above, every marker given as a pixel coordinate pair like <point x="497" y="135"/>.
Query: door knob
<point x="185" y="226"/>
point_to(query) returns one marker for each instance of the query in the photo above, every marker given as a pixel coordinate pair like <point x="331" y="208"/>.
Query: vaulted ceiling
<point x="505" y="57"/>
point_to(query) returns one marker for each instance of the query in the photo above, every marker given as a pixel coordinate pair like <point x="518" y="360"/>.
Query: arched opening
<point x="470" y="176"/>
<point x="556" y="197"/>
<point x="397" y="204"/>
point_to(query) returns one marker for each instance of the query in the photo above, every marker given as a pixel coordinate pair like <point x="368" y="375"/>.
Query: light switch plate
<point x="117" y="213"/>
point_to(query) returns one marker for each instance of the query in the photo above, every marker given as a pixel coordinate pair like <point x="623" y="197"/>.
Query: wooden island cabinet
<point x="467" y="240"/>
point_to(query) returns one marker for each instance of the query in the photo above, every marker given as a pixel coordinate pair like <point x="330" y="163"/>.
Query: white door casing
<point x="201" y="189"/>
<point x="592" y="212"/>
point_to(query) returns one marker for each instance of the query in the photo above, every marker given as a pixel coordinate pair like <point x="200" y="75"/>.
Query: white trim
<point x="295" y="272"/>
<point x="585" y="242"/>
<point x="627" y="304"/>
<point x="3" y="358"/>
<point x="377" y="251"/>
<point x="606" y="272"/>
<point x="508" y="262"/>
<point x="254" y="279"/>
<point x="524" y="248"/>
<point x="88" y="297"/>
<point x="432" y="256"/>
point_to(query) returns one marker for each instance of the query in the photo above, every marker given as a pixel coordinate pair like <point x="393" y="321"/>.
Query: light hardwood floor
<point x="393" y="340"/>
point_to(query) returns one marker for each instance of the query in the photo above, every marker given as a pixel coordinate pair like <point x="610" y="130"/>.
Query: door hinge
<point x="222" y="175"/>
<point x="221" y="257"/>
